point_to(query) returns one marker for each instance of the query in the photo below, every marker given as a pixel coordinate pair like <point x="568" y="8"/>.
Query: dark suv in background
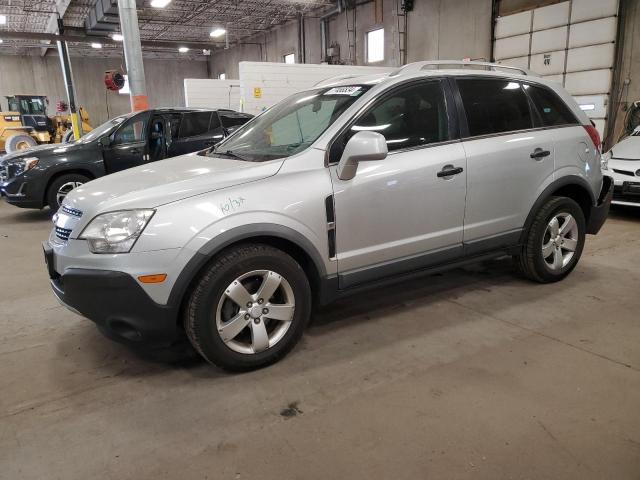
<point x="44" y="175"/>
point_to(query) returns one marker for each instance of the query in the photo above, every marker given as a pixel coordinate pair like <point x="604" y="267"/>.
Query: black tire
<point x="58" y="183"/>
<point x="19" y="142"/>
<point x="201" y="309"/>
<point x="531" y="262"/>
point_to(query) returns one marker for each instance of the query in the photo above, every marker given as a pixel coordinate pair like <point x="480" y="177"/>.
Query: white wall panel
<point x="595" y="57"/>
<point x="551" y="16"/>
<point x="519" y="62"/>
<point x="512" y="47"/>
<point x="551" y="63"/>
<point x="592" y="82"/>
<point x="555" y="78"/>
<point x="601" y="126"/>
<point x="593" y="32"/>
<point x="549" y="40"/>
<point x="591" y="9"/>
<point x="512" y="25"/>
<point x="212" y="93"/>
<point x="277" y="81"/>
<point x="595" y="106"/>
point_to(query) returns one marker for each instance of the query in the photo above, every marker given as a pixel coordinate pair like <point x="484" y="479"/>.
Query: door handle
<point x="539" y="154"/>
<point x="449" y="171"/>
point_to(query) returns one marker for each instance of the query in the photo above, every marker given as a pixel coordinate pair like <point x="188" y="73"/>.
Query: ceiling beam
<point x="52" y="23"/>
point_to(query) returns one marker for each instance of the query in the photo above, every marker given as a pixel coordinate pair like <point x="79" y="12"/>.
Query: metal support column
<point x="65" y="63"/>
<point x="133" y="54"/>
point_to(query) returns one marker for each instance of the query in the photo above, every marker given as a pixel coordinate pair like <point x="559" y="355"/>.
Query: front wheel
<point x="249" y="308"/>
<point x="61" y="186"/>
<point x="554" y="241"/>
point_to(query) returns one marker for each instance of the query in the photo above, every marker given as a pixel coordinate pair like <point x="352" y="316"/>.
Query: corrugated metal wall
<point x="571" y="42"/>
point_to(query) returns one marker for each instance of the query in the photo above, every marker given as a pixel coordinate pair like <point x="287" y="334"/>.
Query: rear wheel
<point x="19" y="142"/>
<point x="61" y="186"/>
<point x="249" y="308"/>
<point x="554" y="241"/>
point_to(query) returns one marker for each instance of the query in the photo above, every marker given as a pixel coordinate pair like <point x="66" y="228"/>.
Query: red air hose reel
<point x="113" y="80"/>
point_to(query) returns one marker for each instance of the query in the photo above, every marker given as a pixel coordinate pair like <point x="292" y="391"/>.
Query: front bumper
<point x="115" y="302"/>
<point x="600" y="211"/>
<point x="22" y="192"/>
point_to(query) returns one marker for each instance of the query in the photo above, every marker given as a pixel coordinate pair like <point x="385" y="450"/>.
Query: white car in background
<point x="624" y="166"/>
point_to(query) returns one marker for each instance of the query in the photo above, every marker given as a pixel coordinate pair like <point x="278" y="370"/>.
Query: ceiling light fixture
<point x="117" y="37"/>
<point x="96" y="45"/>
<point x="183" y="49"/>
<point x="1" y="40"/>
<point x="217" y="32"/>
<point x="160" y="3"/>
<point x="3" y="19"/>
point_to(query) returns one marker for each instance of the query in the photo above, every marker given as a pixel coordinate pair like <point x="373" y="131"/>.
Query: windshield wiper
<point x="229" y="153"/>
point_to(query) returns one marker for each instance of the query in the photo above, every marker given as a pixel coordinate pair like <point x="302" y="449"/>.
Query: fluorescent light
<point x="1" y="40"/>
<point x="3" y="19"/>
<point x="96" y="45"/>
<point x="117" y="37"/>
<point x="183" y="49"/>
<point x="160" y="3"/>
<point x="217" y="32"/>
<point x="587" y="107"/>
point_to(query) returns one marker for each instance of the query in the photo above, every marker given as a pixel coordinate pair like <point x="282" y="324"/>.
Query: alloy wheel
<point x="560" y="241"/>
<point x="64" y="189"/>
<point x="255" y="311"/>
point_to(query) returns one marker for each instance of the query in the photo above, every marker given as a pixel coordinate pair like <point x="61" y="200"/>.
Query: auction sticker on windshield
<point x="353" y="91"/>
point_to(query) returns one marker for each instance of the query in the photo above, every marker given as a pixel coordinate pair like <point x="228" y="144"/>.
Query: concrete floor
<point x="473" y="373"/>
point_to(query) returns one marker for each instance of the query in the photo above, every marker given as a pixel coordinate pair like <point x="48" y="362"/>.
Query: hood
<point x="166" y="181"/>
<point x="48" y="149"/>
<point x="628" y="149"/>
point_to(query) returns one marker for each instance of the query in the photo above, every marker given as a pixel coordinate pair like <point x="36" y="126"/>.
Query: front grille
<point x="63" y="233"/>
<point x="72" y="211"/>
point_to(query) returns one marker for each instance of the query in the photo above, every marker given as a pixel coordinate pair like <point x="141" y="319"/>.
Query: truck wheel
<point x="249" y="308"/>
<point x="61" y="186"/>
<point x="554" y="241"/>
<point x="19" y="142"/>
<point x="67" y="136"/>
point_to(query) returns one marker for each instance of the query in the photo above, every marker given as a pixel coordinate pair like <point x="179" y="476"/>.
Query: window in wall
<point x="375" y="45"/>
<point x="494" y="106"/>
<point x="551" y="108"/>
<point x="222" y="76"/>
<point x="290" y="58"/>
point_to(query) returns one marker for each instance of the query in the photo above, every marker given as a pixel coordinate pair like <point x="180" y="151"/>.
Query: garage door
<point x="571" y="42"/>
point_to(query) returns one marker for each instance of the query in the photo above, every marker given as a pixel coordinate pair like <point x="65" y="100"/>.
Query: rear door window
<point x="194" y="124"/>
<point x="494" y="105"/>
<point x="551" y="109"/>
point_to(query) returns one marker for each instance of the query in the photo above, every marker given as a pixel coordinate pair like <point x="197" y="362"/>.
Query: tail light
<point x="595" y="136"/>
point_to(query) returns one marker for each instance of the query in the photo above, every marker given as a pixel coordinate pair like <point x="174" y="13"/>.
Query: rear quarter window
<point x="551" y="109"/>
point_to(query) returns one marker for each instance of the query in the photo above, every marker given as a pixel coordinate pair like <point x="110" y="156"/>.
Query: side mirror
<point x="105" y="141"/>
<point x="362" y="147"/>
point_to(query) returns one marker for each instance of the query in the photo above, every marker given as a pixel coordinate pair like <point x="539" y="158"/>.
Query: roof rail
<point x="331" y="80"/>
<point x="462" y="64"/>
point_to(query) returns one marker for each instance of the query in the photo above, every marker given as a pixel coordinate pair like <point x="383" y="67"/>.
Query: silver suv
<point x="351" y="184"/>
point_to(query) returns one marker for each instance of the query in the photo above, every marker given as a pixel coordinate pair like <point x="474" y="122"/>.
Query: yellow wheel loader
<point x="26" y="124"/>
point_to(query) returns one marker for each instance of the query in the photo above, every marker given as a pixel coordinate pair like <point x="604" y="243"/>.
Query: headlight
<point x="26" y="164"/>
<point x="604" y="160"/>
<point x="115" y="232"/>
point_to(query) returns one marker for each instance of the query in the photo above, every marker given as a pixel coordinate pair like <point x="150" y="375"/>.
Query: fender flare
<point x="548" y="192"/>
<point x="234" y="235"/>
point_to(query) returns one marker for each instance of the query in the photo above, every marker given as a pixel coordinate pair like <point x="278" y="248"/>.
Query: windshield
<point x="290" y="126"/>
<point x="103" y="129"/>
